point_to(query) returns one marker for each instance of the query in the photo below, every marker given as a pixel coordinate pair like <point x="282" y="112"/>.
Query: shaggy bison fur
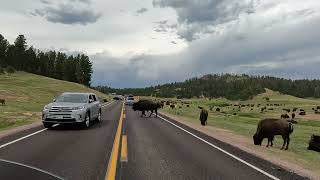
<point x="268" y="128"/>
<point x="146" y="105"/>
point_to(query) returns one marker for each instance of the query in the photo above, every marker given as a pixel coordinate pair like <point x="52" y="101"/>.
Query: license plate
<point x="57" y="117"/>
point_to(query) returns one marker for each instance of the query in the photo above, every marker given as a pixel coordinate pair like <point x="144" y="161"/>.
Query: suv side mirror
<point x="54" y="100"/>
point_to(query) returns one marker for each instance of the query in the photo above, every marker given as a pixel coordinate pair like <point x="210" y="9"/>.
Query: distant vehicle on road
<point x="119" y="97"/>
<point x="72" y="108"/>
<point x="129" y="101"/>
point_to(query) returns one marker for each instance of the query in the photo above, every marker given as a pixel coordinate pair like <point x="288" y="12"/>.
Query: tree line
<point x="233" y="87"/>
<point x="54" y="64"/>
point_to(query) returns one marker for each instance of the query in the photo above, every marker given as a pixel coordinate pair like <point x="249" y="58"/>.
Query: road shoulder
<point x="244" y="144"/>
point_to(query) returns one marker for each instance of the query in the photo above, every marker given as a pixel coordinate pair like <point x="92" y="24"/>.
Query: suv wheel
<point x="86" y="122"/>
<point x="99" y="116"/>
<point x="47" y="125"/>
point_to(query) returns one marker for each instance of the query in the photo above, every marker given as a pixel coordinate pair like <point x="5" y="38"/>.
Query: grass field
<point x="26" y="94"/>
<point x="245" y="122"/>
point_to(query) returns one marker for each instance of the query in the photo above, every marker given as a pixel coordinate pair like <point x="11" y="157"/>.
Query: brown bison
<point x="284" y="116"/>
<point x="302" y="113"/>
<point x="3" y="101"/>
<point x="314" y="143"/>
<point x="203" y="117"/>
<point x="146" y="105"/>
<point x="268" y="128"/>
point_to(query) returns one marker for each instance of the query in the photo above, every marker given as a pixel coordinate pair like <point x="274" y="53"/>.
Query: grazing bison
<point x="293" y="115"/>
<point x="284" y="116"/>
<point x="3" y="101"/>
<point x="302" y="113"/>
<point x="288" y="110"/>
<point x="218" y="109"/>
<point x="146" y="105"/>
<point x="188" y="105"/>
<point x="294" y="109"/>
<point x="268" y="128"/>
<point x="168" y="103"/>
<point x="203" y="117"/>
<point x="172" y="106"/>
<point x="314" y="143"/>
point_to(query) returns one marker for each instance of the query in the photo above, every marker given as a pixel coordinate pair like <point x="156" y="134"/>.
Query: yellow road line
<point x="112" y="166"/>
<point x="124" y="151"/>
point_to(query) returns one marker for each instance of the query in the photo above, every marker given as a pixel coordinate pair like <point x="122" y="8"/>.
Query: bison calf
<point x="268" y="128"/>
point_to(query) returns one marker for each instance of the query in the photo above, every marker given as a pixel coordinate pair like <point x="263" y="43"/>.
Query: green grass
<point x="26" y="94"/>
<point x="245" y="123"/>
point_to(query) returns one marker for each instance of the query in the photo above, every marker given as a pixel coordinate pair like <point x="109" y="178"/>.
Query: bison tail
<point x="290" y="128"/>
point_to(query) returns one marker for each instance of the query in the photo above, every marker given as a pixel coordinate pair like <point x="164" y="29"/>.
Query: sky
<point x="137" y="43"/>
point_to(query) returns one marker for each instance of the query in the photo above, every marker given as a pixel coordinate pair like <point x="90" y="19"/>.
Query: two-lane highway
<point x="127" y="146"/>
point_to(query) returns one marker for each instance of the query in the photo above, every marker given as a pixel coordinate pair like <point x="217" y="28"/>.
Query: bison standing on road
<point x="146" y="105"/>
<point x="268" y="128"/>
<point x="203" y="117"/>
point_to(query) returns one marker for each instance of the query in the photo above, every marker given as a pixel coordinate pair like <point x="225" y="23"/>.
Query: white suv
<point x="72" y="108"/>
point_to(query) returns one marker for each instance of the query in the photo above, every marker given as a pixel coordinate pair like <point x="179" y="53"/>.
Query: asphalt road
<point x="157" y="148"/>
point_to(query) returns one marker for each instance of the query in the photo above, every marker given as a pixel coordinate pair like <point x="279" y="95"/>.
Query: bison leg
<point x="151" y="113"/>
<point x="156" y="113"/>
<point x="284" y="142"/>
<point x="143" y="113"/>
<point x="288" y="140"/>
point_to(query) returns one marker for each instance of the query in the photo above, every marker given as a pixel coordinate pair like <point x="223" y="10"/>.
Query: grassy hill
<point x="26" y="94"/>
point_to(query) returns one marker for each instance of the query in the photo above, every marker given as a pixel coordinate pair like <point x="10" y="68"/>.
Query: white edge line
<point x="220" y="149"/>
<point x="107" y="104"/>
<point x="31" y="167"/>
<point x="24" y="137"/>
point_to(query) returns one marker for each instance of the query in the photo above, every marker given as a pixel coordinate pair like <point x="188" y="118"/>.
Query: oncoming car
<point x="129" y="101"/>
<point x="72" y="108"/>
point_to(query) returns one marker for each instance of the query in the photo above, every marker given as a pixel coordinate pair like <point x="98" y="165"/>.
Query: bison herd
<point x="266" y="128"/>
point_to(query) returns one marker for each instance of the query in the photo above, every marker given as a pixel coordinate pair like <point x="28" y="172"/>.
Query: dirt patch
<point x="245" y="144"/>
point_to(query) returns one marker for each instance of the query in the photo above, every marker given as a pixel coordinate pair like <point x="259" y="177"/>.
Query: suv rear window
<point x="130" y="98"/>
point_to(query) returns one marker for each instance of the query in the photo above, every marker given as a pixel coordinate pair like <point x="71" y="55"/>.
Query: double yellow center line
<point x="112" y="166"/>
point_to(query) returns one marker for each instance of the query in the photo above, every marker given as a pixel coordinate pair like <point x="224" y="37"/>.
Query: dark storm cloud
<point x="196" y="16"/>
<point x="142" y="10"/>
<point x="73" y="12"/>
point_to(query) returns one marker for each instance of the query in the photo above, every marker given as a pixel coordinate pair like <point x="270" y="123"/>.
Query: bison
<point x="3" y="101"/>
<point x="203" y="117"/>
<point x="284" y="116"/>
<point x="146" y="105"/>
<point x="314" y="143"/>
<point x="293" y="115"/>
<point x="268" y="128"/>
<point x="302" y="113"/>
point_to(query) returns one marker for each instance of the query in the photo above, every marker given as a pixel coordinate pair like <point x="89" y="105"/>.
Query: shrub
<point x="1" y="70"/>
<point x="10" y="70"/>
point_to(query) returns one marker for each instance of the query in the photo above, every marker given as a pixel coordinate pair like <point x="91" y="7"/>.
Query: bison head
<point x="135" y="106"/>
<point x="257" y="140"/>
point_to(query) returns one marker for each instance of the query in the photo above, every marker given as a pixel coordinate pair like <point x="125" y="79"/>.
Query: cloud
<point x="197" y="17"/>
<point x="278" y="48"/>
<point x="73" y="12"/>
<point x="142" y="10"/>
